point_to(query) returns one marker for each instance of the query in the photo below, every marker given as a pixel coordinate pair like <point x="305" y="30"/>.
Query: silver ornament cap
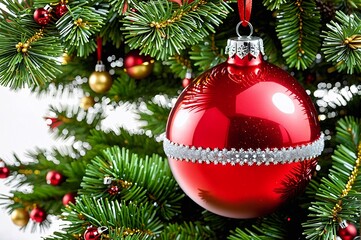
<point x="244" y="45"/>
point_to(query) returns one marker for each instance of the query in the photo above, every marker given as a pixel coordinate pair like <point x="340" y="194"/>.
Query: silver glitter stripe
<point x="243" y="157"/>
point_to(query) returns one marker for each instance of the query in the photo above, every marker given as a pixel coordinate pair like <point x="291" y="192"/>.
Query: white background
<point x="22" y="127"/>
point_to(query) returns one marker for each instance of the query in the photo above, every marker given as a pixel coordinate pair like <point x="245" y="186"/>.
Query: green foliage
<point x="298" y="25"/>
<point x="123" y="220"/>
<point x="342" y="43"/>
<point x="137" y="143"/>
<point x="273" y="4"/>
<point x="139" y="180"/>
<point x="156" y="119"/>
<point x="325" y="215"/>
<point x="79" y="26"/>
<point x="208" y="53"/>
<point x="22" y="66"/>
<point x="270" y="229"/>
<point x="187" y="231"/>
<point x="75" y="122"/>
<point x="161" y="28"/>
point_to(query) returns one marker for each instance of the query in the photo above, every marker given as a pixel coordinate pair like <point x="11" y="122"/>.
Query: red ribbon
<point x="99" y="48"/>
<point x="244" y="9"/>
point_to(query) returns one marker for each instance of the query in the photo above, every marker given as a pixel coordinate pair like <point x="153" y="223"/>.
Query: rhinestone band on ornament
<point x="244" y="157"/>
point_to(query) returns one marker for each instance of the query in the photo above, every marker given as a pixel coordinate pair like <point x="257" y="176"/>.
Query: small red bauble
<point x="42" y="16"/>
<point x="93" y="233"/>
<point x="138" y="66"/>
<point x="60" y="10"/>
<point x="38" y="215"/>
<point x="113" y="190"/>
<point x="348" y="231"/>
<point x="54" y="178"/>
<point x="186" y="82"/>
<point x="243" y="136"/>
<point x="69" y="198"/>
<point x="4" y="172"/>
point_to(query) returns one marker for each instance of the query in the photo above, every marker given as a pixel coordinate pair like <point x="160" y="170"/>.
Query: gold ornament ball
<point x="100" y="82"/>
<point x="87" y="102"/>
<point x="140" y="71"/>
<point x="20" y="217"/>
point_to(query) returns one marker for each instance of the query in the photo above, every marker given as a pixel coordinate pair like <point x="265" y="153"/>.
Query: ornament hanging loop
<point x="250" y="28"/>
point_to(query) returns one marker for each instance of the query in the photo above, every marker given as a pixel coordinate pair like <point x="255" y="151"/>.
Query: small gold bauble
<point x="87" y="102"/>
<point x="65" y="59"/>
<point x="100" y="82"/>
<point x="20" y="217"/>
<point x="140" y="71"/>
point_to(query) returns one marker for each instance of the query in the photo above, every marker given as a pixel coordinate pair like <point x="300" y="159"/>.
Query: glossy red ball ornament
<point x="54" y="178"/>
<point x="42" y="16"/>
<point x="347" y="231"/>
<point x="138" y="66"/>
<point x="114" y="190"/>
<point x="60" y="10"/>
<point x="69" y="198"/>
<point x="4" y="171"/>
<point x="93" y="233"/>
<point x="243" y="137"/>
<point x="38" y="215"/>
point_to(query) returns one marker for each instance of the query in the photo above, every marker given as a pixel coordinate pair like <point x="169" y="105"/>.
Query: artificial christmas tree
<point x="122" y="180"/>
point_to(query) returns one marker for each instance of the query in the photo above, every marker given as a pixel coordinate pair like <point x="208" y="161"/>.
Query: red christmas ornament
<point x="113" y="190"/>
<point x="54" y="178"/>
<point x="60" y="10"/>
<point x="188" y="79"/>
<point x="93" y="233"/>
<point x="69" y="198"/>
<point x="347" y="231"/>
<point x="38" y="215"/>
<point x="42" y="16"/>
<point x="243" y="136"/>
<point x="53" y="122"/>
<point x="4" y="171"/>
<point x="138" y="66"/>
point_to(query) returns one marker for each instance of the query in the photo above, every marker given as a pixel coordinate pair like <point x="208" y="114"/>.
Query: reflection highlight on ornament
<point x="283" y="102"/>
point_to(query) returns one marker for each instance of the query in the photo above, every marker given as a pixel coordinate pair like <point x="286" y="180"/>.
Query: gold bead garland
<point x="351" y="180"/>
<point x="353" y="42"/>
<point x="24" y="47"/>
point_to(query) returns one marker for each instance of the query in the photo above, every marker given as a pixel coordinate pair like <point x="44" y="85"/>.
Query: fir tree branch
<point x="139" y="180"/>
<point x="156" y="119"/>
<point x="338" y="197"/>
<point x="209" y="53"/>
<point x="273" y="4"/>
<point x="79" y="26"/>
<point x="29" y="56"/>
<point x="137" y="143"/>
<point x="123" y="220"/>
<point x="270" y="229"/>
<point x="187" y="230"/>
<point x="298" y="25"/>
<point x="342" y="43"/>
<point x="162" y="29"/>
<point x="75" y="122"/>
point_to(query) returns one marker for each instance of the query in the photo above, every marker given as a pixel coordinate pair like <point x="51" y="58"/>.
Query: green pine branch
<point x="139" y="180"/>
<point x="156" y="119"/>
<point x="140" y="144"/>
<point x="342" y="43"/>
<point x="123" y="220"/>
<point x="80" y="25"/>
<point x="271" y="228"/>
<point x="162" y="29"/>
<point x="29" y="55"/>
<point x="187" y="231"/>
<point x="273" y="4"/>
<point x="75" y="122"/>
<point x="337" y="197"/>
<point x="298" y="26"/>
